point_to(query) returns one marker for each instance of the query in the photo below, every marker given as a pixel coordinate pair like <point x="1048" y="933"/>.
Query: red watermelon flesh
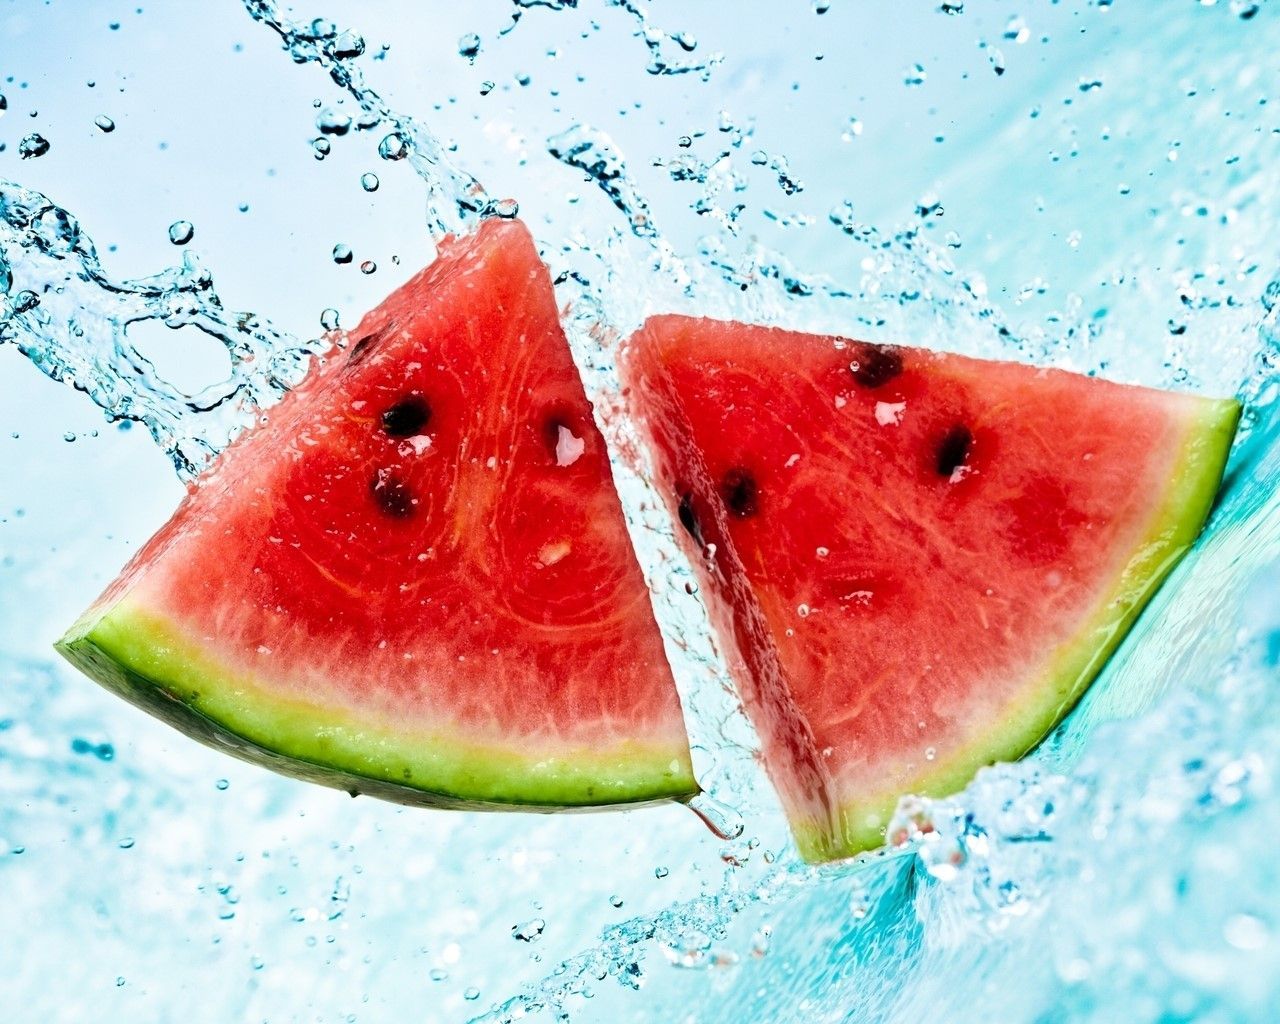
<point x="413" y="578"/>
<point x="917" y="561"/>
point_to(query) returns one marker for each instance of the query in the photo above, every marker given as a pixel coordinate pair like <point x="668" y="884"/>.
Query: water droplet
<point x="105" y="124"/>
<point x="506" y="208"/>
<point x="615" y="902"/>
<point x="471" y="994"/>
<point x="329" y="319"/>
<point x="724" y="821"/>
<point x="915" y="75"/>
<point x="120" y="981"/>
<point x="4" y="104"/>
<point x="333" y="122"/>
<point x="369" y="181"/>
<point x="469" y="47"/>
<point x="1016" y="30"/>
<point x="523" y="78"/>
<point x="486" y="87"/>
<point x="32" y="146"/>
<point x="852" y="129"/>
<point x="930" y="753"/>
<point x="181" y="232"/>
<point x="321" y="147"/>
<point x="821" y="6"/>
<point x="529" y="931"/>
<point x="393" y="147"/>
<point x="439" y="974"/>
<point x="348" y="45"/>
<point x="660" y="872"/>
<point x="69" y="436"/>
<point x="222" y="785"/>
<point x="341" y="253"/>
<point x="126" y="843"/>
<point x="368" y="267"/>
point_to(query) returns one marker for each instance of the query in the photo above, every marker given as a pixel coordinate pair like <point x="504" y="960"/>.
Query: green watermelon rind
<point x="139" y="656"/>
<point x="1074" y="666"/>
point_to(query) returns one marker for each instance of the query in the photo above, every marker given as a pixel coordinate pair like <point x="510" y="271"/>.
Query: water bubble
<point x="181" y="232"/>
<point x="506" y="208"/>
<point x="615" y="902"/>
<point x="329" y="319"/>
<point x="954" y="7"/>
<point x="469" y="47"/>
<point x="333" y="122"/>
<point x="368" y="267"/>
<point x="221" y="785"/>
<point x="105" y="124"/>
<point x="55" y="231"/>
<point x="25" y="301"/>
<point x="471" y="994"/>
<point x="32" y="146"/>
<point x="660" y="872"/>
<point x="529" y="931"/>
<point x="369" y="181"/>
<point x="321" y="147"/>
<point x="341" y="253"/>
<point x="4" y="104"/>
<point x="126" y="843"/>
<point x="852" y="129"/>
<point x="486" y="87"/>
<point x="523" y="78"/>
<point x="348" y="45"/>
<point x="393" y="147"/>
<point x="438" y="974"/>
<point x="915" y="75"/>
<point x="724" y="821"/>
<point x="1016" y="30"/>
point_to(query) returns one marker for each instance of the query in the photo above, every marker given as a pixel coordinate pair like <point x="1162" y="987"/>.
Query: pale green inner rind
<point x="145" y="658"/>
<point x="1174" y="526"/>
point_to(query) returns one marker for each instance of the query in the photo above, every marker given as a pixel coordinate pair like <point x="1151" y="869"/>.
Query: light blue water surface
<point x="1105" y="203"/>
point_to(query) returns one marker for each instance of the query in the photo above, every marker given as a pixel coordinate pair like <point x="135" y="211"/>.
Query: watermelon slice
<point x="413" y="579"/>
<point x="917" y="562"/>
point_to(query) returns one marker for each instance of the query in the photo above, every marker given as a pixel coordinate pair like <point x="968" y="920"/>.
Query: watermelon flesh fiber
<point x="413" y="579"/>
<point x="917" y="562"/>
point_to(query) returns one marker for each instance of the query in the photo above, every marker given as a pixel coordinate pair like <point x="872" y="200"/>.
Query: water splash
<point x="455" y="200"/>
<point x="66" y="314"/>
<point x="669" y="52"/>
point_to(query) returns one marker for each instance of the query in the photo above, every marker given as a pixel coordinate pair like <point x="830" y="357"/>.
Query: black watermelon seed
<point x="876" y="366"/>
<point x="362" y="347"/>
<point x="740" y="494"/>
<point x="392" y="495"/>
<point x="407" y="418"/>
<point x="688" y="518"/>
<point x="953" y="450"/>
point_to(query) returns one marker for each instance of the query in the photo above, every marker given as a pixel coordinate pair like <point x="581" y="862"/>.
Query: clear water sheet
<point x="1082" y="184"/>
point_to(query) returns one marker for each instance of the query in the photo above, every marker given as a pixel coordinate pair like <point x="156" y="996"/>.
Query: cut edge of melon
<point x="144" y="658"/>
<point x="1174" y="527"/>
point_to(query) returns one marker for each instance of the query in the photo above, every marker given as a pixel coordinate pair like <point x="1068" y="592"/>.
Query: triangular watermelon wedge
<point x="917" y="562"/>
<point x="413" y="579"/>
